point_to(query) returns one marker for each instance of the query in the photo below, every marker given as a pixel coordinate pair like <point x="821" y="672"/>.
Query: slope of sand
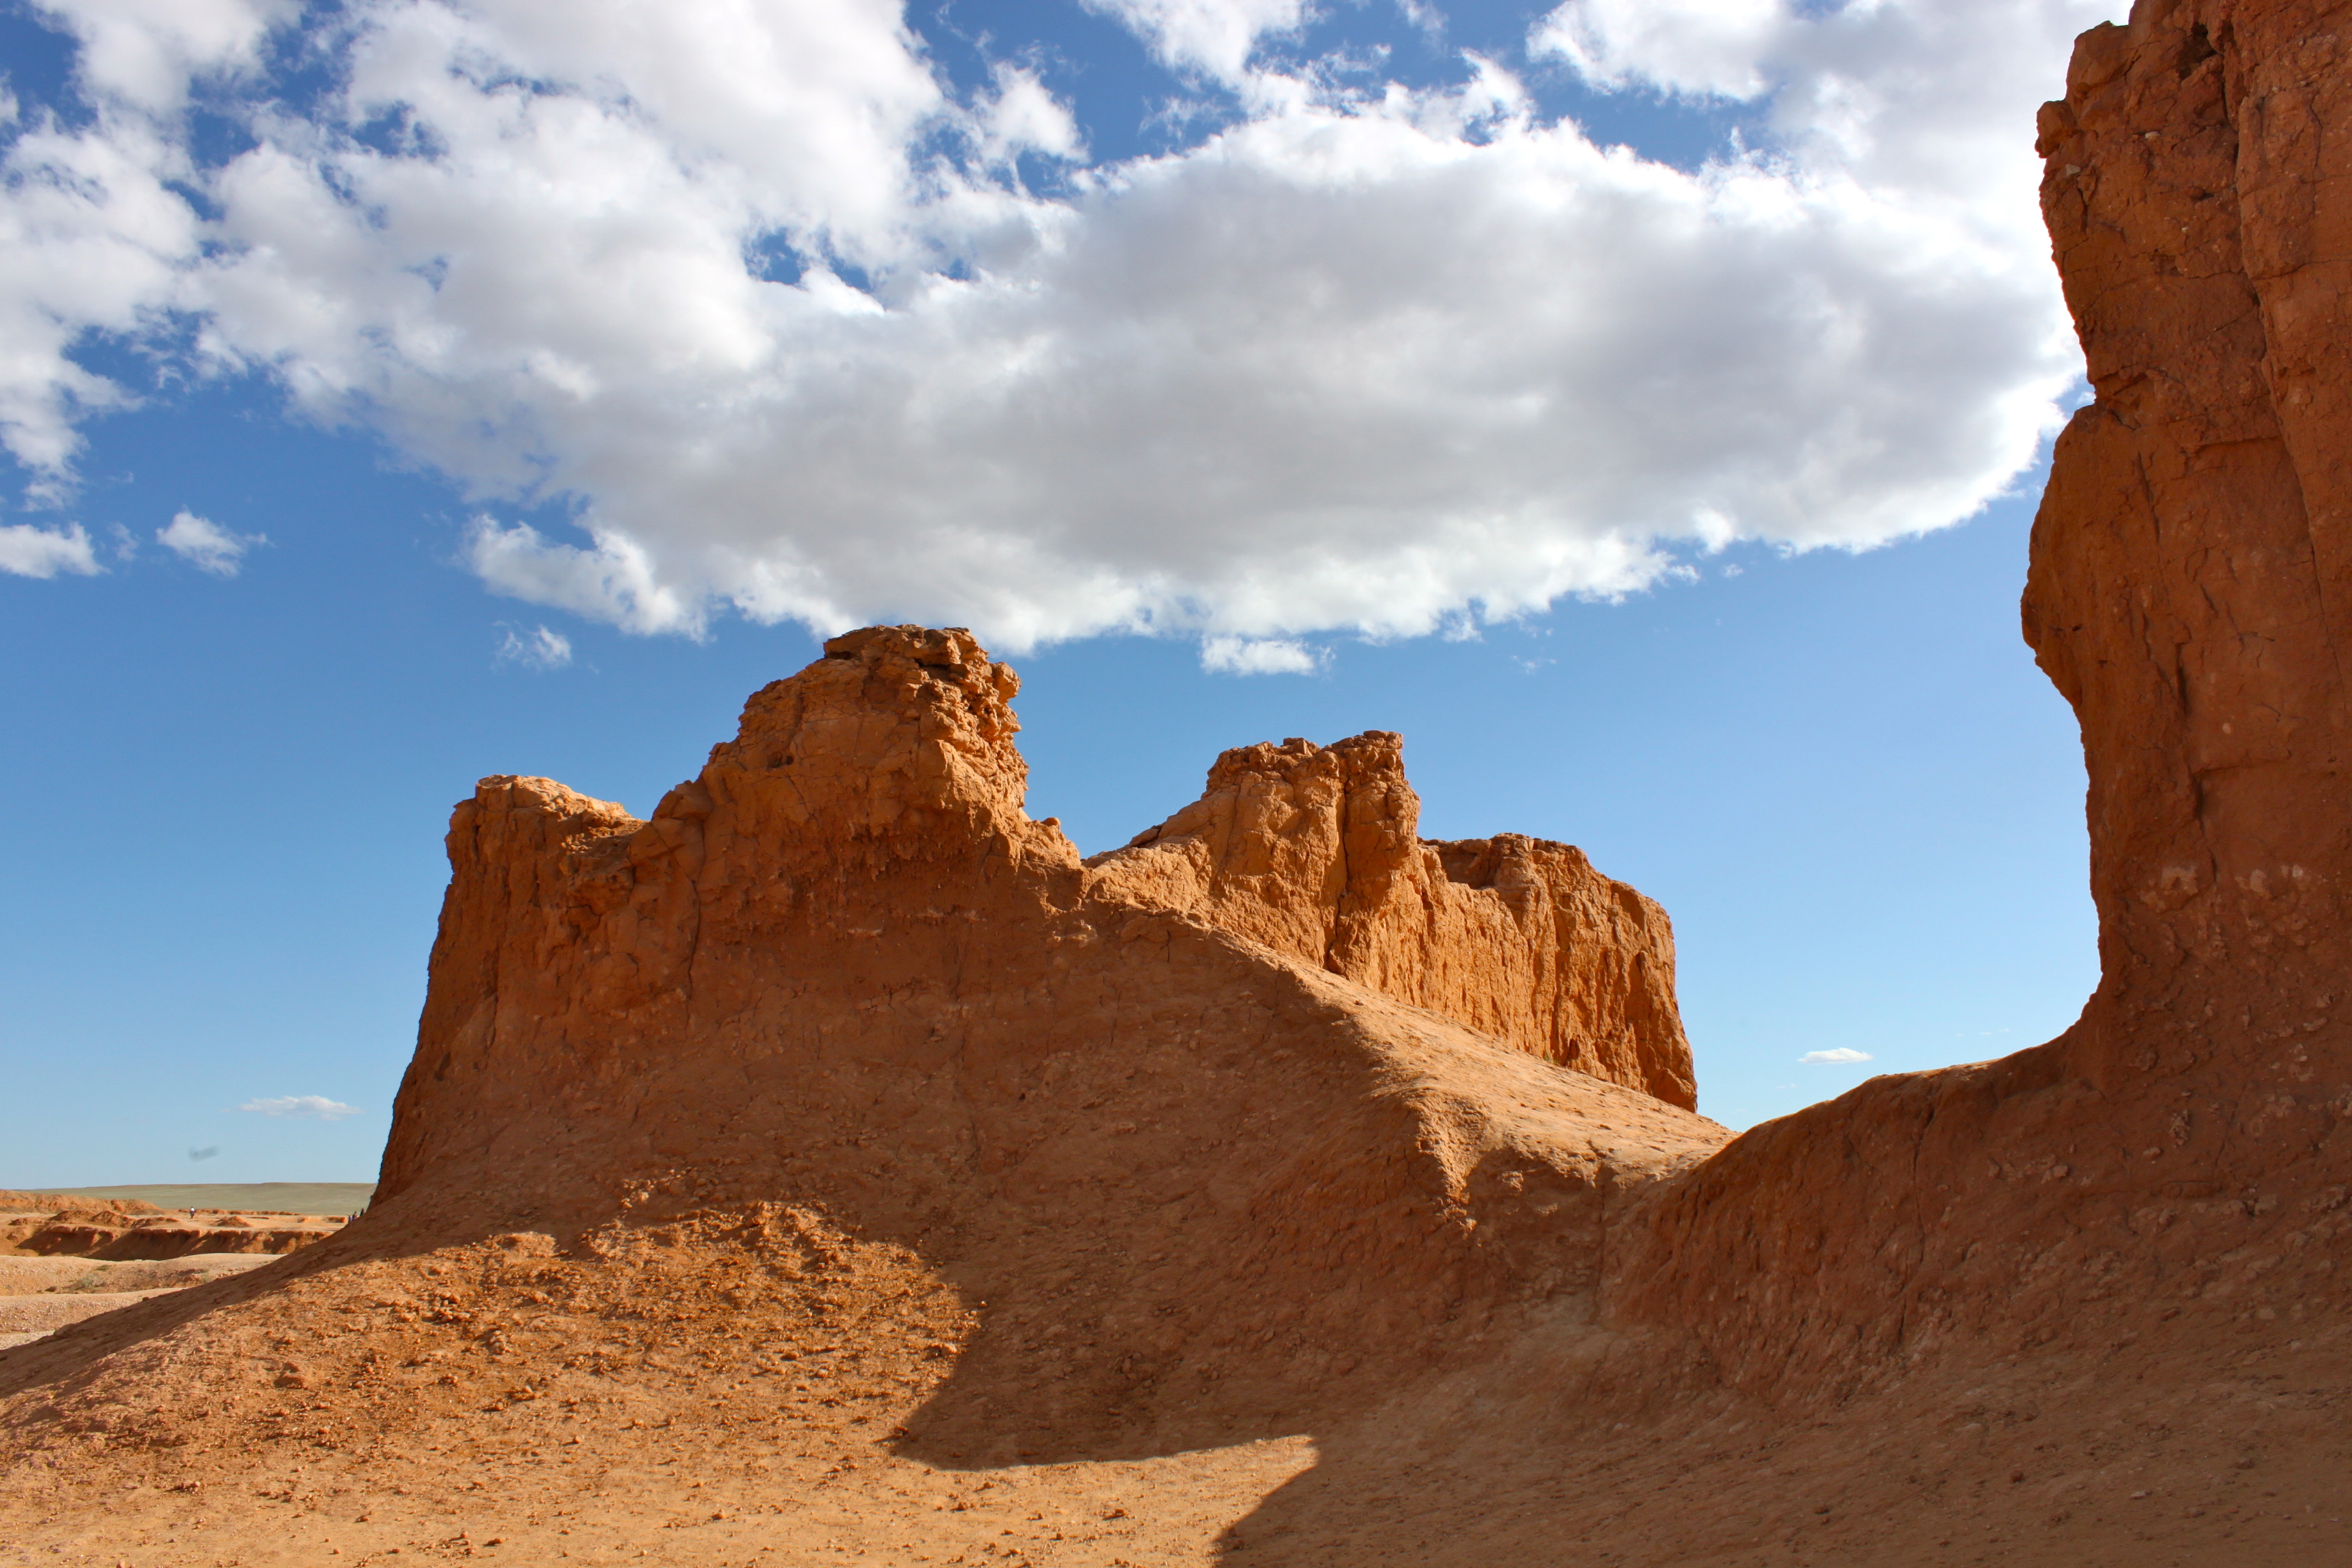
<point x="701" y="1380"/>
<point x="40" y="1295"/>
<point x="698" y="1376"/>
<point x="728" y="1390"/>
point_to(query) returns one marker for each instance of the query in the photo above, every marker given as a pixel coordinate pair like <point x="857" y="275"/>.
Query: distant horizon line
<point x="118" y="1189"/>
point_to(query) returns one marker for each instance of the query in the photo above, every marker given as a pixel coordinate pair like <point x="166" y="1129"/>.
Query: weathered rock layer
<point x="844" y="967"/>
<point x="2187" y="1144"/>
<point x="1313" y="851"/>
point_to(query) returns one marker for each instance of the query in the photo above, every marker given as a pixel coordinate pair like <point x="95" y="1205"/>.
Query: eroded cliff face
<point x="2187" y="1146"/>
<point x="1313" y="851"/>
<point x="875" y="799"/>
<point x="842" y="969"/>
<point x="2191" y="590"/>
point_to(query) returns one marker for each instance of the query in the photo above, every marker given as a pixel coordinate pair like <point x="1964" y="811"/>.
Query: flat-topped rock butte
<point x="834" y="1162"/>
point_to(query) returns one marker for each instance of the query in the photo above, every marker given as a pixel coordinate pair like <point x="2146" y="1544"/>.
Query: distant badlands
<point x="64" y="1258"/>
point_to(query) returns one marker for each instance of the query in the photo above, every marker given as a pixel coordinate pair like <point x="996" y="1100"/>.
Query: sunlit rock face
<point x="1313" y="851"/>
<point x="1280" y="1063"/>
<point x="868" y="821"/>
<point x="2187" y="1144"/>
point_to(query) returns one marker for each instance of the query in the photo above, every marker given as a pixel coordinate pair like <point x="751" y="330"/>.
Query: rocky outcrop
<point x="843" y="968"/>
<point x="873" y="803"/>
<point x="1313" y="851"/>
<point x="2191" y="589"/>
<point x="2187" y="1147"/>
<point x="170" y="1236"/>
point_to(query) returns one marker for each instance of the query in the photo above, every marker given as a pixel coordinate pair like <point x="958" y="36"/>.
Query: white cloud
<point x="1700" y="49"/>
<point x="206" y="544"/>
<point x="1386" y="362"/>
<point x="1025" y="116"/>
<point x="1258" y="656"/>
<point x="538" y="649"/>
<point x="612" y="581"/>
<point x="143" y="53"/>
<point x="91" y="239"/>
<point x="1842" y="1054"/>
<point x="91" y="232"/>
<point x="1212" y="36"/>
<point x="30" y="552"/>
<point x="316" y="1107"/>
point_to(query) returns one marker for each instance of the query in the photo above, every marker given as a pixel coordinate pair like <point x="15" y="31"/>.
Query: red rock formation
<point x="2188" y="1144"/>
<point x="1313" y="851"/>
<point x="874" y="800"/>
<point x="843" y="967"/>
<point x="2191" y="592"/>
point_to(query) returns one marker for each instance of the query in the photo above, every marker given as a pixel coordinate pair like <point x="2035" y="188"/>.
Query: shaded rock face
<point x="2188" y="1144"/>
<point x="843" y="968"/>
<point x="1313" y="851"/>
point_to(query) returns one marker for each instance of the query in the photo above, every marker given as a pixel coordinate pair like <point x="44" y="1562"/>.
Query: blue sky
<point x="1240" y="371"/>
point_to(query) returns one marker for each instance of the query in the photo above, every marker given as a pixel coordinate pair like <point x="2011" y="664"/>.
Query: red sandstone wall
<point x="1314" y="851"/>
<point x="2188" y="1144"/>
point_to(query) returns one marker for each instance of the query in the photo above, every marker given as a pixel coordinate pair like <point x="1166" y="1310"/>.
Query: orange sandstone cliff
<point x="842" y="966"/>
<point x="872" y="808"/>
<point x="1312" y="851"/>
<point x="2187" y="1146"/>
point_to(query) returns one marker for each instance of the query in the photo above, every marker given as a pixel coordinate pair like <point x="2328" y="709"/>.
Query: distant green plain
<point x="285" y="1197"/>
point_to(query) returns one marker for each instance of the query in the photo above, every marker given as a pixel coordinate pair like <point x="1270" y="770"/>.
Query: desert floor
<point x="682" y="1396"/>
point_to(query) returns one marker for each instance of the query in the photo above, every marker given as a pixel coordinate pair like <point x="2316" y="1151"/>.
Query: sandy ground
<point x="40" y="1295"/>
<point x="691" y="1398"/>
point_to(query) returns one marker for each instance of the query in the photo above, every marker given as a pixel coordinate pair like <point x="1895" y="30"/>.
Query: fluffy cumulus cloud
<point x="93" y="236"/>
<point x="773" y="313"/>
<point x="312" y="1107"/>
<point x="1215" y="38"/>
<point x="1706" y="49"/>
<point x="206" y="544"/>
<point x="27" y="551"/>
